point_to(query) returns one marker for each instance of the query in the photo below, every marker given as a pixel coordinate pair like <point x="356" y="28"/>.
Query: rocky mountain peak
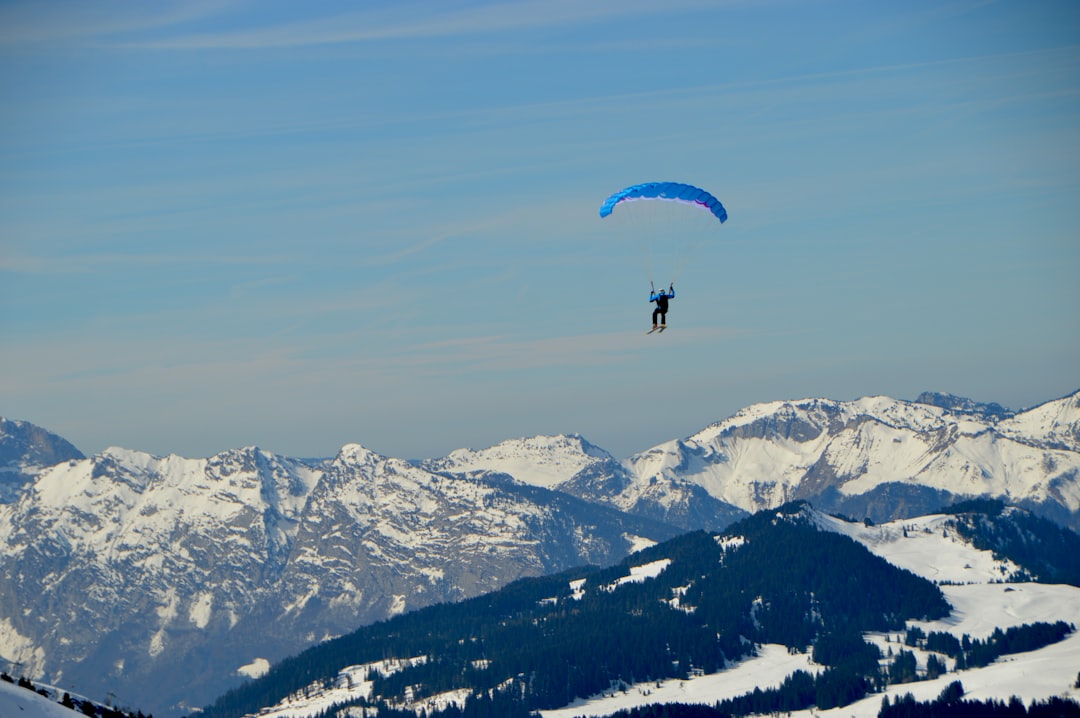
<point x="25" y="451"/>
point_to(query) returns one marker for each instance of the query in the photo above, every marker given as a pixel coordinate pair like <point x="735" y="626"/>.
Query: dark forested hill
<point x="1048" y="552"/>
<point x="692" y="604"/>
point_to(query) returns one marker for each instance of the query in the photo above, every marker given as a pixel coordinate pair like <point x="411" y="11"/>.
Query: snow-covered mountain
<point x="546" y="461"/>
<point x="878" y="457"/>
<point x="25" y="451"/>
<point x="874" y="457"/>
<point x="572" y="465"/>
<point x="119" y="570"/>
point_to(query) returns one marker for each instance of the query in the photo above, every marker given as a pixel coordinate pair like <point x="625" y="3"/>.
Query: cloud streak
<point x="421" y="20"/>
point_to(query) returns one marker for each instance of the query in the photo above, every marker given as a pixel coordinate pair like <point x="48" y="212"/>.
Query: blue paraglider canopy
<point x="669" y="191"/>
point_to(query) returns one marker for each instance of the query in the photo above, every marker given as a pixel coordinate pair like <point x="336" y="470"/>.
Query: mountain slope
<point x="120" y="570"/>
<point x="691" y="604"/>
<point x="970" y="578"/>
<point x="18" y="701"/>
<point x="1054" y="424"/>
<point x="783" y="577"/>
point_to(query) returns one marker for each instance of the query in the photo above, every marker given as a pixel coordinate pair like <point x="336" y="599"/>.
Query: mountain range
<point x="874" y="457"/>
<point x="121" y="569"/>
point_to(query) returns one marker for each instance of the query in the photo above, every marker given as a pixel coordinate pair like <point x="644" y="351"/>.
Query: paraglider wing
<point x="670" y="191"/>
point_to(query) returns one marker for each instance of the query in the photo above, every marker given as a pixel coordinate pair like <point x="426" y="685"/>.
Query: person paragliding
<point x="661" y="298"/>
<point x="697" y="201"/>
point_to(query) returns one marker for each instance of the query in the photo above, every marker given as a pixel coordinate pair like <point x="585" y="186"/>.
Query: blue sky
<point x="297" y="225"/>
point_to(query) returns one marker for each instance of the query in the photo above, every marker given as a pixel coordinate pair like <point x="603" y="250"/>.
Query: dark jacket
<point x="661" y="298"/>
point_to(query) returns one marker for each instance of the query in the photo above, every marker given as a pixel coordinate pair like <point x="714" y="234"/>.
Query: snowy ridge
<point x="1055" y="424"/>
<point x="540" y="460"/>
<point x="768" y="454"/>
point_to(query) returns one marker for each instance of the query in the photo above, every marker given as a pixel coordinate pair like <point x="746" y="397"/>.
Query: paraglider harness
<point x="661" y="298"/>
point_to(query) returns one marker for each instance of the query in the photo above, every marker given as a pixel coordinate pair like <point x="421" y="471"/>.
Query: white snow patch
<point x="301" y="601"/>
<point x="675" y="601"/>
<point x="638" y="543"/>
<point x="201" y="608"/>
<point x="639" y="574"/>
<point x="256" y="669"/>
<point x="926" y="546"/>
<point x="167" y="611"/>
<point x="351" y="683"/>
<point x="979" y="609"/>
<point x="440" y="702"/>
<point x="729" y="543"/>
<point x="767" y="670"/>
<point x="398" y="605"/>
<point x="157" y="643"/>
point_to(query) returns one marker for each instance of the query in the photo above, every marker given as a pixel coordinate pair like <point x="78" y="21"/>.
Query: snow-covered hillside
<point x="970" y="578"/>
<point x="18" y="702"/>
<point x="980" y="604"/>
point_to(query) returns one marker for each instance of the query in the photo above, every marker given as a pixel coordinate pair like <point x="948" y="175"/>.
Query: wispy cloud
<point x="419" y="20"/>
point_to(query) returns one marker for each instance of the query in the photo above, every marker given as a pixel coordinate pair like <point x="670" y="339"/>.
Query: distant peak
<point x="963" y="405"/>
<point x="356" y="453"/>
